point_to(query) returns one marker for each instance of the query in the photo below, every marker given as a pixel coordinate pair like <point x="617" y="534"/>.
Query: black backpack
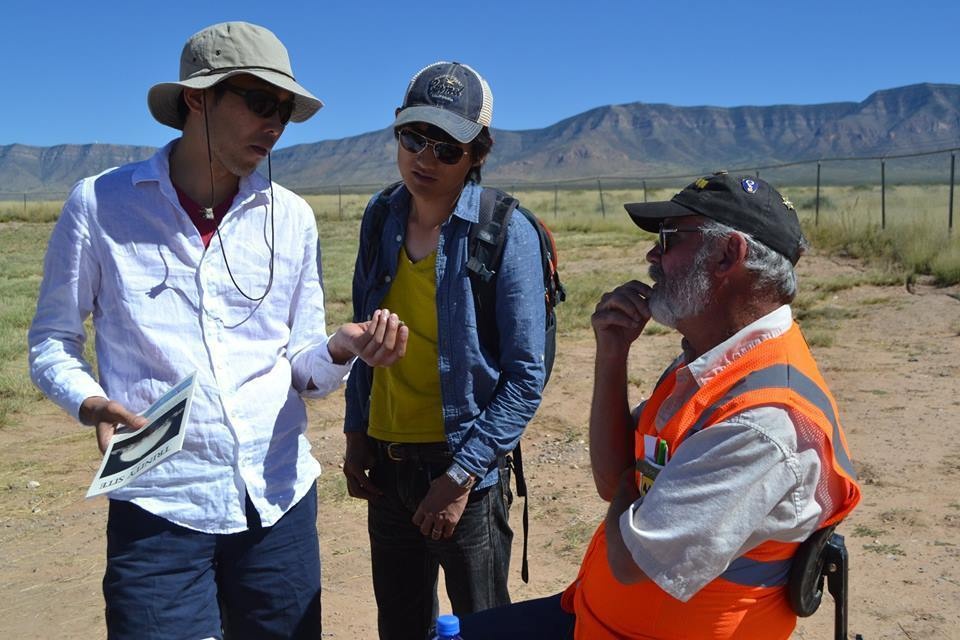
<point x="486" y="241"/>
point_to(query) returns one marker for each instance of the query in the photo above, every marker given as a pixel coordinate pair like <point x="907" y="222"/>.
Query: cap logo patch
<point x="750" y="186"/>
<point x="787" y="203"/>
<point x="445" y="89"/>
<point x="701" y="183"/>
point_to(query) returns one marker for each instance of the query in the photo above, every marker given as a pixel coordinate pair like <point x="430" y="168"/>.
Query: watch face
<point x="460" y="477"/>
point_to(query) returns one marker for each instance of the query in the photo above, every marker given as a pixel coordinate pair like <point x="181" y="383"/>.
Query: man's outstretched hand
<point x="106" y="416"/>
<point x="379" y="342"/>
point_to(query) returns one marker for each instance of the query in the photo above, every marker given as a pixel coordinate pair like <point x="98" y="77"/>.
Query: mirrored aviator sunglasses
<point x="263" y="103"/>
<point x="445" y="152"/>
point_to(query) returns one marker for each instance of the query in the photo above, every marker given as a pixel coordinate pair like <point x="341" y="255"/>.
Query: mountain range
<point x="636" y="140"/>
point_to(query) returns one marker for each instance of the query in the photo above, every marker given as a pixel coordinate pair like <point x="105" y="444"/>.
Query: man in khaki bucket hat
<point x="192" y="262"/>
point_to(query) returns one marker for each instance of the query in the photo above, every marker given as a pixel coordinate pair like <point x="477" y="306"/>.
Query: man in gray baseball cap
<point x="192" y="262"/>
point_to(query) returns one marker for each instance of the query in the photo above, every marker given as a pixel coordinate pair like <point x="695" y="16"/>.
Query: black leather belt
<point x="433" y="452"/>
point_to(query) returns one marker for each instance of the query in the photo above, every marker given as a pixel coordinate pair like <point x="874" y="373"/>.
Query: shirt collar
<point x="774" y="324"/>
<point x="157" y="169"/>
<point x="468" y="204"/>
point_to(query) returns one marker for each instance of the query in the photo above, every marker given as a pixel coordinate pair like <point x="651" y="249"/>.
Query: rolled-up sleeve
<point x="727" y="489"/>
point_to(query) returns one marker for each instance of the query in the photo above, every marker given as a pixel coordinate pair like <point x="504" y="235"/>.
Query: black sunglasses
<point x="665" y="233"/>
<point x="263" y="103"/>
<point x="445" y="152"/>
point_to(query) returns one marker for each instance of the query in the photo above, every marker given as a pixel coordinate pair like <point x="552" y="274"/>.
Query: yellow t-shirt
<point x="405" y="402"/>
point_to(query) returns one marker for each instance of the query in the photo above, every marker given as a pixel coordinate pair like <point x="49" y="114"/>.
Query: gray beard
<point x="681" y="296"/>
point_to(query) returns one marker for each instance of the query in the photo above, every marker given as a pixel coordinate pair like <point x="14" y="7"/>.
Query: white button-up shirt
<point x="125" y="251"/>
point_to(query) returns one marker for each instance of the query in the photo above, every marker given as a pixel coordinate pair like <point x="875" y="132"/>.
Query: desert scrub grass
<point x="576" y="535"/>
<point x="945" y="266"/>
<point x="826" y="314"/>
<point x="22" y="246"/>
<point x="332" y="487"/>
<point x="339" y="240"/>
<point x="819" y="337"/>
<point x="863" y="531"/>
<point x="347" y="206"/>
<point x="32" y="211"/>
<point x="656" y="329"/>
<point x="915" y="238"/>
<point x="885" y="549"/>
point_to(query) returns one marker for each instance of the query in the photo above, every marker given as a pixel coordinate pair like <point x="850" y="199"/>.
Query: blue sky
<point x="78" y="72"/>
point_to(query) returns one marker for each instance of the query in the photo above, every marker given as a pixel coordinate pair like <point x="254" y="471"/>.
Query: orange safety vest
<point x="748" y="600"/>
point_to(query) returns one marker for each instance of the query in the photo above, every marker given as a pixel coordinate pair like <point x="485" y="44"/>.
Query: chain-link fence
<point x="871" y="181"/>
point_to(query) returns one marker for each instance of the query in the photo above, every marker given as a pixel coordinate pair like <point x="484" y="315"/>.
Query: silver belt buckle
<point x="390" y="452"/>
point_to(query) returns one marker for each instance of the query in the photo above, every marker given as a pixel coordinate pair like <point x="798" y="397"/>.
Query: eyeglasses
<point x="263" y="103"/>
<point x="445" y="152"/>
<point x="665" y="233"/>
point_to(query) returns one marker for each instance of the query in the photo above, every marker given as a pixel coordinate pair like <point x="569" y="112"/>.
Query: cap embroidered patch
<point x="787" y="204"/>
<point x="701" y="183"/>
<point x="750" y="186"/>
<point x="445" y="89"/>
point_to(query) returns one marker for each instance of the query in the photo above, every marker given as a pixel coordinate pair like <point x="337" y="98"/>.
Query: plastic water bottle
<point x="448" y="628"/>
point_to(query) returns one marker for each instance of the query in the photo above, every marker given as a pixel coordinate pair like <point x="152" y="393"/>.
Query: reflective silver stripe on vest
<point x="783" y="376"/>
<point x="756" y="573"/>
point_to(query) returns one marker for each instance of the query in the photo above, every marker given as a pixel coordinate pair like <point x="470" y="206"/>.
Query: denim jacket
<point x="488" y="398"/>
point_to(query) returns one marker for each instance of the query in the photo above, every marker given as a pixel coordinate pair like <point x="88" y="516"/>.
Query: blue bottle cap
<point x="448" y="625"/>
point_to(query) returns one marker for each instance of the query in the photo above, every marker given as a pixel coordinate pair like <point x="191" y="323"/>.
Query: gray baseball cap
<point x="449" y="95"/>
<point x="225" y="50"/>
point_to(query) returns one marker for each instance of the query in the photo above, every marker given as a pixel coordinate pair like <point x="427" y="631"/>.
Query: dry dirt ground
<point x="892" y="366"/>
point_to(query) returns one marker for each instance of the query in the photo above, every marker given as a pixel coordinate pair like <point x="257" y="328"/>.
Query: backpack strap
<point x="487" y="238"/>
<point x="522" y="493"/>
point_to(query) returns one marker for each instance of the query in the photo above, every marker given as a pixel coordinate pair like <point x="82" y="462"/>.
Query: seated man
<point x="735" y="458"/>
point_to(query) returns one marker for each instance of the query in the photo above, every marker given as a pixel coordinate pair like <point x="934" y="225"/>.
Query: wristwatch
<point x="460" y="476"/>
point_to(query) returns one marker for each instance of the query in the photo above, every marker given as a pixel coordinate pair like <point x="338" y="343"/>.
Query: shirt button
<point x="387" y="279"/>
<point x="399" y="238"/>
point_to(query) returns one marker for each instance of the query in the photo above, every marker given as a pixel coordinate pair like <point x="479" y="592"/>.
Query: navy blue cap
<point x="449" y="95"/>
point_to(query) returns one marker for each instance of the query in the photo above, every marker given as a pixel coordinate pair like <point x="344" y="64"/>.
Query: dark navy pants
<point x="527" y="620"/>
<point x="475" y="560"/>
<point x="167" y="582"/>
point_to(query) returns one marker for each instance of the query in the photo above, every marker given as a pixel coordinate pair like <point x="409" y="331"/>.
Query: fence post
<point x="883" y="194"/>
<point x="757" y="172"/>
<point x="556" y="191"/>
<point x="953" y="164"/>
<point x="24" y="206"/>
<point x="644" y="190"/>
<point x="816" y="217"/>
<point x="339" y="202"/>
<point x="603" y="211"/>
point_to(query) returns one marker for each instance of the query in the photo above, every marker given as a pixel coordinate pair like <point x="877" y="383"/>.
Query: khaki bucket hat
<point x="225" y="50"/>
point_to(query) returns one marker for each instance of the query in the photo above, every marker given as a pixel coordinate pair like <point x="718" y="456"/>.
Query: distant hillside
<point x="31" y="169"/>
<point x="630" y="140"/>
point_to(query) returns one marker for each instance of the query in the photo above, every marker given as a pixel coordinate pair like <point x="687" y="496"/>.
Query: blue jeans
<point x="164" y="581"/>
<point x="475" y="560"/>
<point x="527" y="620"/>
